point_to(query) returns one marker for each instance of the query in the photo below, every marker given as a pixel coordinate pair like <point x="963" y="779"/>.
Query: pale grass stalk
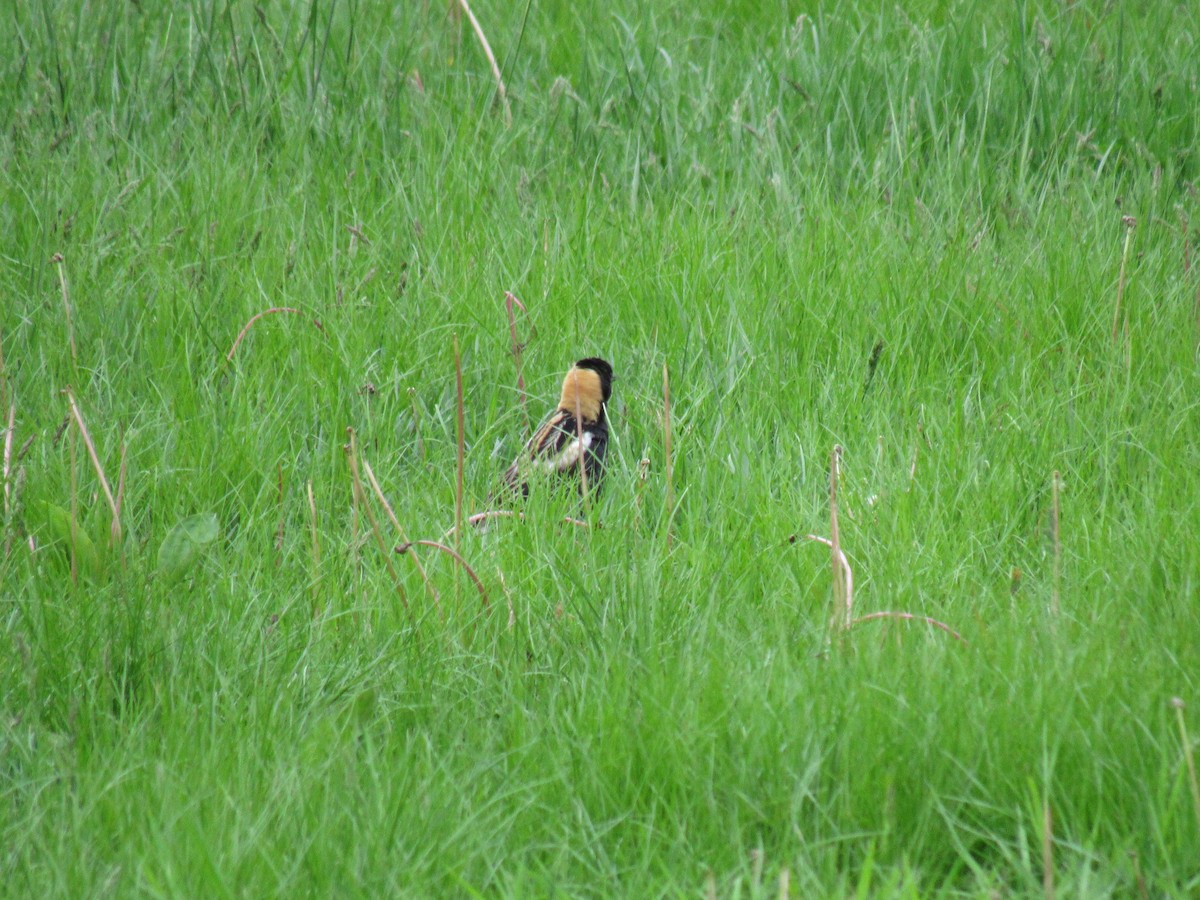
<point x="491" y="58"/>
<point x="361" y="500"/>
<point x="785" y="886"/>
<point x="115" y="536"/>
<point x="387" y="507"/>
<point x="407" y="546"/>
<point x="847" y="573"/>
<point x="1130" y="224"/>
<point x="510" y="300"/>
<point x="57" y="259"/>
<point x="257" y="316"/>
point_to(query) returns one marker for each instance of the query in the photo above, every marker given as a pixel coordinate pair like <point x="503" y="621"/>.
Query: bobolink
<point x="579" y="426"/>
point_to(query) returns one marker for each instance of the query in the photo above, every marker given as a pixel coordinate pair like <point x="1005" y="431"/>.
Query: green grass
<point x="752" y="195"/>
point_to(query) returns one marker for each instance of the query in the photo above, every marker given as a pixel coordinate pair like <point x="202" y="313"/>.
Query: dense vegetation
<point x="955" y="239"/>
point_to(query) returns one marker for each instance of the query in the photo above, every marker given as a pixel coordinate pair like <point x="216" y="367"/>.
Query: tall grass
<point x="753" y="196"/>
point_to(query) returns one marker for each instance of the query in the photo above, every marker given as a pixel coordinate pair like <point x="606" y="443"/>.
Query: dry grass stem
<point x="1130" y="224"/>
<point x="510" y="300"/>
<point x="847" y="572"/>
<point x="257" y="316"/>
<point x="115" y="536"/>
<point x="501" y="92"/>
<point x="407" y="546"/>
<point x="387" y="507"/>
<point x="360" y="499"/>
<point x="57" y="259"/>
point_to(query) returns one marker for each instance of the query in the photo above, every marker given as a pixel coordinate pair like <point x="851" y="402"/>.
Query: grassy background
<point x="752" y="194"/>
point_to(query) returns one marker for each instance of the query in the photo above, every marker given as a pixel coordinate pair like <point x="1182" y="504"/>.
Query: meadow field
<point x="957" y="240"/>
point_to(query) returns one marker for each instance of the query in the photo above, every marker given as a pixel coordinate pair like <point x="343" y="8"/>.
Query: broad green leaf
<point x="58" y="529"/>
<point x="185" y="543"/>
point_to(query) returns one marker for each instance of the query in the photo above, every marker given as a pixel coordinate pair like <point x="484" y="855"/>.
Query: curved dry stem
<point x="480" y="518"/>
<point x="113" y="506"/>
<point x="847" y="572"/>
<point x="408" y="545"/>
<point x="387" y="507"/>
<point x="360" y="498"/>
<point x="257" y="316"/>
<point x="491" y="58"/>
<point x="910" y="617"/>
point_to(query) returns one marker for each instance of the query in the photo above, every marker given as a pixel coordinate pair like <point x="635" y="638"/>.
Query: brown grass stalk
<point x="387" y="507"/>
<point x="115" y="535"/>
<point x="257" y="316"/>
<point x="360" y="499"/>
<point x="501" y="92"/>
<point x="407" y="546"/>
<point x="510" y="300"/>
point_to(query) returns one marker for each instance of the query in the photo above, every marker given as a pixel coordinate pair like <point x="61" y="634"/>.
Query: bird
<point x="578" y="427"/>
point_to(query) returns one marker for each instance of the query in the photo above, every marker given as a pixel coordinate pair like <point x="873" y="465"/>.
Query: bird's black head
<point x="602" y="368"/>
